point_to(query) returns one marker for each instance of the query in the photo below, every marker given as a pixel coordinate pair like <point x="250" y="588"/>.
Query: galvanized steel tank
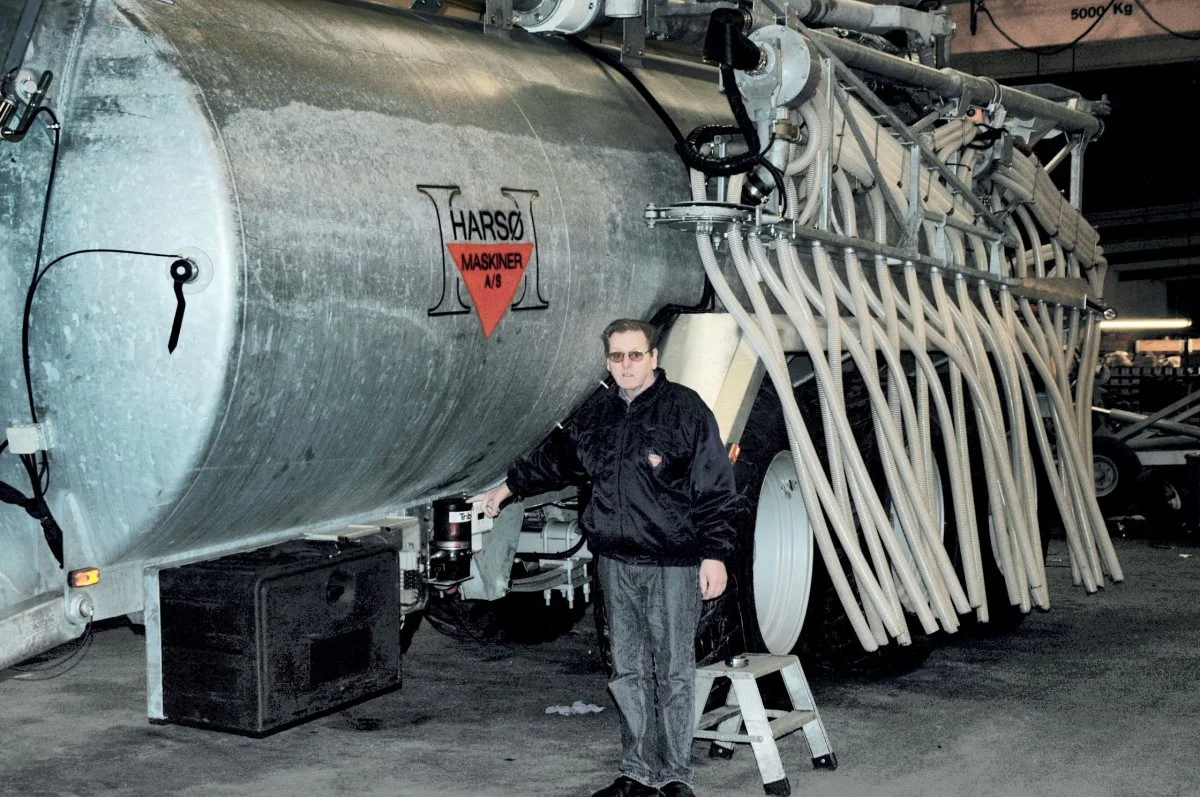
<point x="328" y="167"/>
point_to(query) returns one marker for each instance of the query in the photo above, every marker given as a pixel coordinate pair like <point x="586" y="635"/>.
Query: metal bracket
<point x="633" y="41"/>
<point x="880" y="107"/>
<point x="498" y="18"/>
<point x="1076" y="193"/>
<point x="21" y="35"/>
<point x="825" y="211"/>
<point x="710" y="217"/>
<point x="912" y="224"/>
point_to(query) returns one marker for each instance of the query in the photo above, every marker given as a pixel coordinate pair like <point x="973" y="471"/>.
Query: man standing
<point x="658" y="521"/>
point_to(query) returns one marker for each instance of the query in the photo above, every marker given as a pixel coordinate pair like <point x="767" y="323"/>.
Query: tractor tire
<point x="1116" y="469"/>
<point x="803" y="615"/>
<point x="1003" y="617"/>
<point x="410" y="623"/>
<point x="520" y="618"/>
<point x="1165" y="502"/>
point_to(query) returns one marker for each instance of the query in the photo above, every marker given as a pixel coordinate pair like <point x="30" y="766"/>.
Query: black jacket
<point x="662" y="485"/>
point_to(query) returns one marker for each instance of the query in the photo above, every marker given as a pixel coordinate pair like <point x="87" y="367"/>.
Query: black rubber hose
<point x="529" y="556"/>
<point x="726" y="42"/>
<point x="689" y="149"/>
<point x="706" y="134"/>
<point x="11" y="495"/>
<point x="710" y="165"/>
<point x="666" y="315"/>
<point x="688" y="152"/>
<point x="37" y="509"/>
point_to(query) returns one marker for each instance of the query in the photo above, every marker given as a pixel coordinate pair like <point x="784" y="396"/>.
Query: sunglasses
<point x="634" y="356"/>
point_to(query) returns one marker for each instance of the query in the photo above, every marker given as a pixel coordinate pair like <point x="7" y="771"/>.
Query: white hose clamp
<point x="623" y="9"/>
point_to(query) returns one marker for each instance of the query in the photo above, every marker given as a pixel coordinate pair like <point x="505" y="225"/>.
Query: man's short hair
<point x="630" y="325"/>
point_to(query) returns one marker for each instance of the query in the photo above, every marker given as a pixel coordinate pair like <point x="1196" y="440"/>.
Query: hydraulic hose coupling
<point x="37" y="93"/>
<point x="757" y="188"/>
<point x="7" y="106"/>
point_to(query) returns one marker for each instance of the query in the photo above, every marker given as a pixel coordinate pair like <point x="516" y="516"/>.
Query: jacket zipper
<point x="621" y="467"/>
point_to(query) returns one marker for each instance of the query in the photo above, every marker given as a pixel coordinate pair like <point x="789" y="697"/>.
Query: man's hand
<point x="496" y="496"/>
<point x="712" y="578"/>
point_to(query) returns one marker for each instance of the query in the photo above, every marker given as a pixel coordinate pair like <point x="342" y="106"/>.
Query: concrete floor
<point x="1100" y="696"/>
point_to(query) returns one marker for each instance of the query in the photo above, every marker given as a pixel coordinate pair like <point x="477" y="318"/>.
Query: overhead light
<point x="1146" y="323"/>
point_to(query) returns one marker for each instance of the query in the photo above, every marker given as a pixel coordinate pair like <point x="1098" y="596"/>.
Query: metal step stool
<point x="722" y="726"/>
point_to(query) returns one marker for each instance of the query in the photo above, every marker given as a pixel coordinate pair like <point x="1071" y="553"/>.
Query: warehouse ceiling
<point x="1021" y="38"/>
<point x="1142" y="177"/>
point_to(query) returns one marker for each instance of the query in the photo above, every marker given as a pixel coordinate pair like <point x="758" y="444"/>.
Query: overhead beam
<point x="1130" y="217"/>
<point x="1180" y="268"/>
<point x="1151" y="244"/>
<point x="1124" y="35"/>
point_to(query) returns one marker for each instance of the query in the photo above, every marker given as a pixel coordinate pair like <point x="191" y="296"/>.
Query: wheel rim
<point x="1104" y="472"/>
<point x="783" y="557"/>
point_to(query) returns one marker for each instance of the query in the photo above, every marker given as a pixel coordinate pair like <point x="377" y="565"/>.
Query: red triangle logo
<point x="492" y="272"/>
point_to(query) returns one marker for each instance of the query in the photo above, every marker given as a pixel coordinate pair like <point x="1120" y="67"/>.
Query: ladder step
<point x="727" y="736"/>
<point x="732" y="724"/>
<point x="758" y="665"/>
<point x="791" y="721"/>
<point x="717" y="716"/>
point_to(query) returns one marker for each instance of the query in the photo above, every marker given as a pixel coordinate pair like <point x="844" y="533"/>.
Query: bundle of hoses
<point x="1006" y="357"/>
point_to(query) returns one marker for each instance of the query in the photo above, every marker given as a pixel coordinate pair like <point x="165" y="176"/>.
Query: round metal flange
<point x="558" y="16"/>
<point x="698" y="216"/>
<point x="25" y="85"/>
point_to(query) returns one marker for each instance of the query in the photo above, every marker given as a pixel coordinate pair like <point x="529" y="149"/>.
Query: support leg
<point x="754" y="714"/>
<point x="814" y="730"/>
<point x="730" y="725"/>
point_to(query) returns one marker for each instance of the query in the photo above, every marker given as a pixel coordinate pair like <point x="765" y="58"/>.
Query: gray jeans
<point x="652" y="615"/>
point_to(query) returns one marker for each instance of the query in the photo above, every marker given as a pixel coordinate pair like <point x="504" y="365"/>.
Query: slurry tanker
<point x="282" y="283"/>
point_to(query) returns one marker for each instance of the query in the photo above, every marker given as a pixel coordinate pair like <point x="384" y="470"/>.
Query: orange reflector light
<point x="735" y="451"/>
<point x="84" y="577"/>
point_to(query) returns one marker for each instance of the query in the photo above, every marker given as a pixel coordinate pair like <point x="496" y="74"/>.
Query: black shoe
<point x="626" y="786"/>
<point x="677" y="788"/>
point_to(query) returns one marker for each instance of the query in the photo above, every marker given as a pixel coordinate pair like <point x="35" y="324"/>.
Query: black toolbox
<point x="260" y="640"/>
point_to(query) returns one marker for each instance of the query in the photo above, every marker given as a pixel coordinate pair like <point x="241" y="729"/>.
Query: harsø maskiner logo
<point x="494" y="252"/>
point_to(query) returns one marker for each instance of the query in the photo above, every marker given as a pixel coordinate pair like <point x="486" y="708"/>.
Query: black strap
<point x="37" y="509"/>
